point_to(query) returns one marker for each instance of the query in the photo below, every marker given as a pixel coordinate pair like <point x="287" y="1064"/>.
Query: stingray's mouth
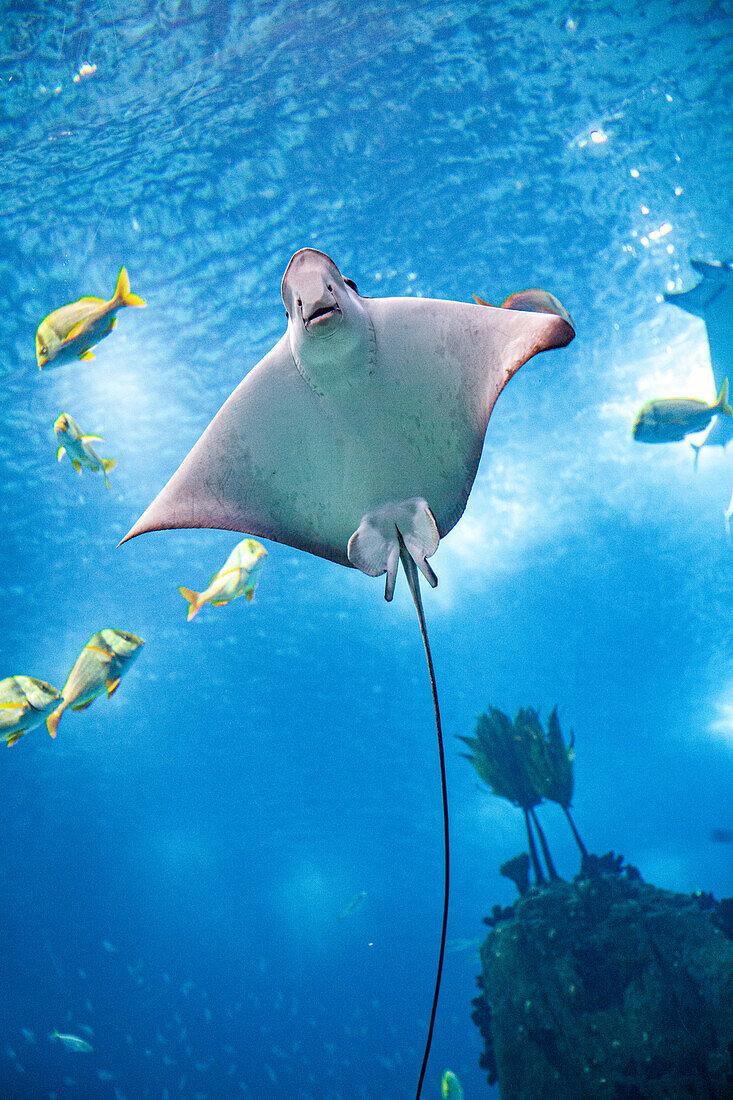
<point x="321" y="317"/>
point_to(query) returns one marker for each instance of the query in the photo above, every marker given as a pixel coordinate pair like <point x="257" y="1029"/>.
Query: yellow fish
<point x="68" y="333"/>
<point x="237" y="576"/>
<point x="101" y="664"/>
<point x="450" y="1087"/>
<point x="24" y="703"/>
<point x="79" y="447"/>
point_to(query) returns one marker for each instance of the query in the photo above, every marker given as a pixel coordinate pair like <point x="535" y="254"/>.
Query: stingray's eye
<point x="352" y="284"/>
<point x="299" y="302"/>
<point x="287" y="315"/>
<point x="330" y="287"/>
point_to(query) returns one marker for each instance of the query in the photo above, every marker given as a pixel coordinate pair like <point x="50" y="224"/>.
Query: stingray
<point x="358" y="436"/>
<point x="712" y="300"/>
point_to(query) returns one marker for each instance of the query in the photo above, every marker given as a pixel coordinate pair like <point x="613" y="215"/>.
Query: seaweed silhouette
<point x="526" y="764"/>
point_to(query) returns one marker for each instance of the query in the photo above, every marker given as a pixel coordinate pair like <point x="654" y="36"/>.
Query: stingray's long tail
<point x="412" y="580"/>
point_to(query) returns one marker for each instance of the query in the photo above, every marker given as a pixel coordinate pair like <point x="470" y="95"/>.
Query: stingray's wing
<point x="251" y="469"/>
<point x="712" y="301"/>
<point x="443" y="366"/>
<point x="283" y="462"/>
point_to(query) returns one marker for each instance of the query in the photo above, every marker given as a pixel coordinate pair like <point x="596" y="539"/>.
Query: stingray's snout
<point x="309" y="291"/>
<point x="316" y="302"/>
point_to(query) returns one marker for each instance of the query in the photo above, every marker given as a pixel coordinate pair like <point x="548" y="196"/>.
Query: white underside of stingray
<point x="712" y="300"/>
<point x="366" y="418"/>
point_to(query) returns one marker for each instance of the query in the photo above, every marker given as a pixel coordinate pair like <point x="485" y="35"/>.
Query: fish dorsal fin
<point x="91" y="298"/>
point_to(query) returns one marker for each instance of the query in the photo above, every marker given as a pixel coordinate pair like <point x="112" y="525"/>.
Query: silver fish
<point x="72" y="1042"/>
<point x="670" y="419"/>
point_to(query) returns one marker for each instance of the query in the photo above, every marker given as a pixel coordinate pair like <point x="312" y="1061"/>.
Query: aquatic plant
<point x="526" y="764"/>
<point x="550" y="763"/>
<point x="499" y="755"/>
<point x="530" y="735"/>
<point x="517" y="870"/>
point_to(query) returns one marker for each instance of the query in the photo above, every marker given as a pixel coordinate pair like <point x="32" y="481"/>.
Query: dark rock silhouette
<point x="608" y="987"/>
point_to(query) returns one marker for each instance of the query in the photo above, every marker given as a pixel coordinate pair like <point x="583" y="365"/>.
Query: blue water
<point x="261" y="766"/>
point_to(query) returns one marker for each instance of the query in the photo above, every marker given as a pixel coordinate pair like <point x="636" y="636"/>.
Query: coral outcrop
<point x="607" y="987"/>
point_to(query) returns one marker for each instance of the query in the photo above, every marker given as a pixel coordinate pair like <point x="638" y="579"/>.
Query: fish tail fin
<point x="193" y="599"/>
<point x="123" y="294"/>
<point x="722" y="402"/>
<point x="107" y="465"/>
<point x="52" y="722"/>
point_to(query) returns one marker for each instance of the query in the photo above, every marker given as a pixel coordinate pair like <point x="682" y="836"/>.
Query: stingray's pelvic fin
<point x="375" y="547"/>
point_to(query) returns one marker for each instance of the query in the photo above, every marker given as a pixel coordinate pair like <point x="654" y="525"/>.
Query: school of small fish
<point x="200" y="1045"/>
<point x="67" y="334"/>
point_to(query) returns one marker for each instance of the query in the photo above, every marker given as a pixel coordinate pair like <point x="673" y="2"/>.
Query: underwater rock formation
<point x="607" y="987"/>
